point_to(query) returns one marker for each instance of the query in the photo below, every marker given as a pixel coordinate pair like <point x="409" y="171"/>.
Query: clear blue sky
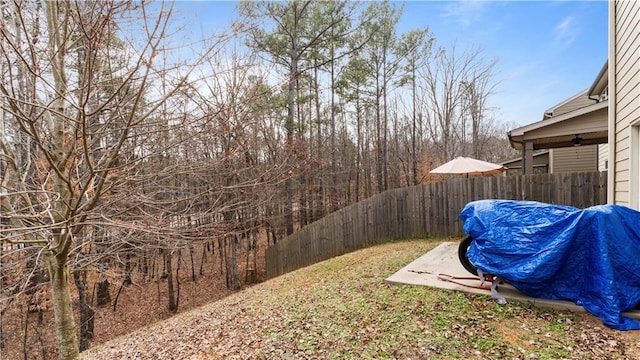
<point x="546" y="51"/>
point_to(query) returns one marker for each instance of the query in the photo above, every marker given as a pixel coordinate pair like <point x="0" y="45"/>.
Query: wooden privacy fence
<point x="422" y="211"/>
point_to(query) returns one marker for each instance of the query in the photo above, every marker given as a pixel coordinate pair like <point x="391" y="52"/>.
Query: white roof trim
<point x="601" y="81"/>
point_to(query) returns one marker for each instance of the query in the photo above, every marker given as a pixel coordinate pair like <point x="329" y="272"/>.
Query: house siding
<point x="603" y="157"/>
<point x="540" y="164"/>
<point x="625" y="73"/>
<point x="575" y="104"/>
<point x="574" y="159"/>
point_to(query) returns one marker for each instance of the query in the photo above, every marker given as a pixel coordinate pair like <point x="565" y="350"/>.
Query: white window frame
<point x="604" y="95"/>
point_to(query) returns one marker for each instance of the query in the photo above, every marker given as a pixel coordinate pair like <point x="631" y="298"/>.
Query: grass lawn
<point x="343" y="309"/>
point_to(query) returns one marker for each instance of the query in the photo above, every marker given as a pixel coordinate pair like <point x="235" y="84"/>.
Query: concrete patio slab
<point x="432" y="268"/>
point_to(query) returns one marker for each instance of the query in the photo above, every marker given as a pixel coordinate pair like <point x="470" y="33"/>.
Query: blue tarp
<point x="588" y="256"/>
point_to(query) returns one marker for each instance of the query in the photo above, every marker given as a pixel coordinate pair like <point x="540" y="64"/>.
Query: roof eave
<point x="517" y="136"/>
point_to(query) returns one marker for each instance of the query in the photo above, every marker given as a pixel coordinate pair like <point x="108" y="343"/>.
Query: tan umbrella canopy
<point x="468" y="166"/>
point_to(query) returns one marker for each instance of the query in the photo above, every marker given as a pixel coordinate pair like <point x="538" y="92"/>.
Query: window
<point x="604" y="95"/>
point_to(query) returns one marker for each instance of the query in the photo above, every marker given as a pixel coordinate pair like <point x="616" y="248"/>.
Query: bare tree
<point x="300" y="36"/>
<point x="453" y="86"/>
<point x="477" y="89"/>
<point x="414" y="48"/>
<point x="79" y="117"/>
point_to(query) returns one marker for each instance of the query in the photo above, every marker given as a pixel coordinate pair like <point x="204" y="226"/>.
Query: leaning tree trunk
<point x="62" y="307"/>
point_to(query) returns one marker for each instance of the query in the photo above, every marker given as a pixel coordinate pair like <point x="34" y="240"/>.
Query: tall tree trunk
<point x="57" y="255"/>
<point x="359" y="149"/>
<point x="25" y="328"/>
<point x="1" y="257"/>
<point x="103" y="296"/>
<point x="178" y="279"/>
<point x="385" y="126"/>
<point x="62" y="306"/>
<point x="127" y="270"/>
<point x="366" y="160"/>
<point x="319" y="213"/>
<point x="222" y="253"/>
<point x="290" y="123"/>
<point x="414" y="147"/>
<point x="235" y="280"/>
<point x="86" y="313"/>
<point x="203" y="258"/>
<point x="173" y="306"/>
<point x="334" y="166"/>
<point x="193" y="266"/>
<point x="379" y="140"/>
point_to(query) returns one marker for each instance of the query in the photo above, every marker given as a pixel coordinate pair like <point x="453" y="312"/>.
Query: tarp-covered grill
<point x="589" y="256"/>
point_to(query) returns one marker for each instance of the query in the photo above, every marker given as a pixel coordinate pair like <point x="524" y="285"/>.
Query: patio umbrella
<point x="468" y="166"/>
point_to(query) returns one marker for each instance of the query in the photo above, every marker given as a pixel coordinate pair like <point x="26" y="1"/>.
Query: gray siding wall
<point x="574" y="159"/>
<point x="574" y="104"/>
<point x="625" y="118"/>
<point x="540" y="165"/>
<point x="603" y="157"/>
